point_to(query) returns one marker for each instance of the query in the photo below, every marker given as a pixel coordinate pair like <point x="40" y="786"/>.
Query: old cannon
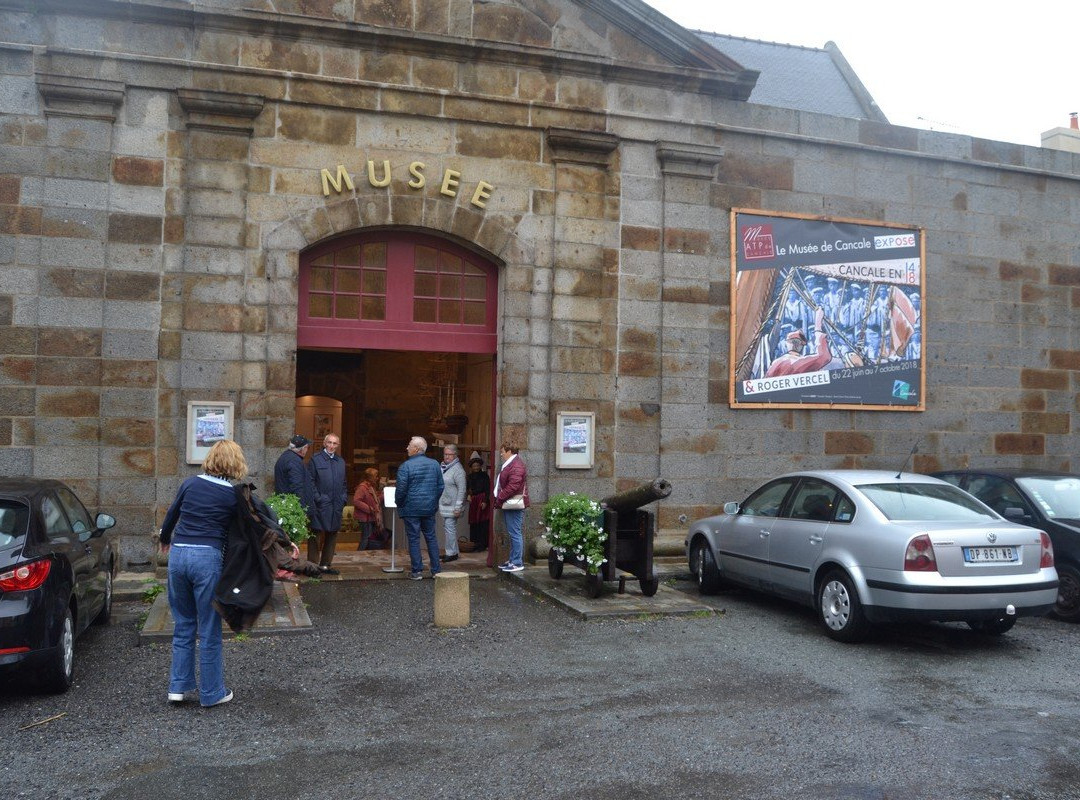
<point x="630" y="532"/>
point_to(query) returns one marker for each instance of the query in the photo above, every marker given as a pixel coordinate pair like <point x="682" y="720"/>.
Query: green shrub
<point x="574" y="529"/>
<point x="291" y="515"/>
<point x="152" y="590"/>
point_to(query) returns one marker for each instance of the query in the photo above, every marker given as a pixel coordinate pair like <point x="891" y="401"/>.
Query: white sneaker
<point x="227" y="698"/>
<point x="176" y="697"/>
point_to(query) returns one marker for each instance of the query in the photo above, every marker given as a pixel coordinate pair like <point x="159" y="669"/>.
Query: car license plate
<point x="989" y="555"/>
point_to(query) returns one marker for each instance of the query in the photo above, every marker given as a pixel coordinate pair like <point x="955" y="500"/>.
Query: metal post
<point x="389" y="502"/>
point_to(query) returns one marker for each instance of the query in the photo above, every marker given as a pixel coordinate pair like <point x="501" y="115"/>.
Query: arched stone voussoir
<point x="495" y="235"/>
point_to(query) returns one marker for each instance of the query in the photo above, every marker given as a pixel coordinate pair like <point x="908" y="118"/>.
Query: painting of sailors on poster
<point x="826" y="313"/>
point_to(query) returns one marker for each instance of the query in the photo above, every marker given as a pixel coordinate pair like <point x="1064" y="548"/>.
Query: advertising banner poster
<point x="826" y="313"/>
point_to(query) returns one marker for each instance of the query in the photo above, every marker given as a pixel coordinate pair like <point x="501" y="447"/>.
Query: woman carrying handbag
<point x="512" y="496"/>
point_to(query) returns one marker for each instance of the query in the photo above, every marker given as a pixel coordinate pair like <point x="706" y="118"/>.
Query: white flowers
<point x="573" y="526"/>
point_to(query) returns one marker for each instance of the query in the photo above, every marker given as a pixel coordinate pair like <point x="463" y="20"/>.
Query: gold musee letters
<point x="378" y="176"/>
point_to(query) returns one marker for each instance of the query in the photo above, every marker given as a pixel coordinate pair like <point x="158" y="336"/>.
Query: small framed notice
<point x="208" y="422"/>
<point x="575" y="435"/>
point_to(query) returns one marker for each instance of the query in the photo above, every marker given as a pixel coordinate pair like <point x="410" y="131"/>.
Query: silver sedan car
<point x="864" y="546"/>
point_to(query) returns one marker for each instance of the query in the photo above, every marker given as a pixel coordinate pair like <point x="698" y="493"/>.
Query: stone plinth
<point x="452" y="600"/>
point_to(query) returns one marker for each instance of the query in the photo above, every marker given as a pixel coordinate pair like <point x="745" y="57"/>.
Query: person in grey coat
<point x="452" y="501"/>
<point x="417" y="490"/>
<point x="327" y="470"/>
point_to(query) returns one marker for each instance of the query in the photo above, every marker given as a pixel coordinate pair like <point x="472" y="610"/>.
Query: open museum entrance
<point x="376" y="400"/>
<point x="396" y="336"/>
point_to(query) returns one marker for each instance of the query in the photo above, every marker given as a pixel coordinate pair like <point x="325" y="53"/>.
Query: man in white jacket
<point x="452" y="500"/>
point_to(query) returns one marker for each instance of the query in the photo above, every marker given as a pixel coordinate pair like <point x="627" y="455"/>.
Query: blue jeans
<point x="513" y="519"/>
<point x="193" y="574"/>
<point x="414" y="526"/>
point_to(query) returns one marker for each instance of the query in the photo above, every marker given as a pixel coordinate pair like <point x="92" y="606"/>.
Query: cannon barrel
<point x="637" y="497"/>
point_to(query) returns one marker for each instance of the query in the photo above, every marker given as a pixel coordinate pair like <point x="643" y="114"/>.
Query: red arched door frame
<point x="397" y="290"/>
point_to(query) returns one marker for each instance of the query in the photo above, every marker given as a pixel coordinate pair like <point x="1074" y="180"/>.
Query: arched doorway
<point x="401" y="328"/>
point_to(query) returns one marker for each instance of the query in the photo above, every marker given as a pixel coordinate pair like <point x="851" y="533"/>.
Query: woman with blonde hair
<point x="193" y="535"/>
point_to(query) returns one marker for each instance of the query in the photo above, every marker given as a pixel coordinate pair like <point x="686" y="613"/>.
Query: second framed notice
<point x="575" y="432"/>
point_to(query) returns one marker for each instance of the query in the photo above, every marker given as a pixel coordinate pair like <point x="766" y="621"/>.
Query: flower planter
<point x="629" y="548"/>
<point x="626" y="541"/>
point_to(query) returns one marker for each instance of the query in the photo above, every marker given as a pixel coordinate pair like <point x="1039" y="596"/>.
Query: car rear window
<point x="14" y="517"/>
<point x="925" y="501"/>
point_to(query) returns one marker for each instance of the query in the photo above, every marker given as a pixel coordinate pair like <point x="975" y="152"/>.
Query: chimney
<point x="1072" y="121"/>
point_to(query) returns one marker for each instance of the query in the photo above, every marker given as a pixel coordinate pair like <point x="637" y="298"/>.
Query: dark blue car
<point x="1043" y="499"/>
<point x="56" y="577"/>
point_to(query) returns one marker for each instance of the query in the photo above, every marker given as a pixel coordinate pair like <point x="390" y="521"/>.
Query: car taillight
<point x="1046" y="559"/>
<point x="25" y="576"/>
<point x="920" y="555"/>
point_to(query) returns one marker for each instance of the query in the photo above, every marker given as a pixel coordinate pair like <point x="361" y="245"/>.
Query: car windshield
<point x="1057" y="497"/>
<point x="14" y="517"/>
<point x="925" y="501"/>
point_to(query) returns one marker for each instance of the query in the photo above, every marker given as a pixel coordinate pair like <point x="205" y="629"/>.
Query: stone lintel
<point x="220" y="111"/>
<point x="688" y="160"/>
<point x="67" y="95"/>
<point x="581" y="147"/>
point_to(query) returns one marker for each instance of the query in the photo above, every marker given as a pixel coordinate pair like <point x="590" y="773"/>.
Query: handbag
<point x="515" y="503"/>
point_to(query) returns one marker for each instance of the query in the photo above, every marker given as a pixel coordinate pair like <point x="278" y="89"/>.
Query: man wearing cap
<point x="793" y="361"/>
<point x="290" y="476"/>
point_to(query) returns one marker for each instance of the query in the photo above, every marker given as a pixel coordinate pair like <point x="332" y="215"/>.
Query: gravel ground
<point x="752" y="702"/>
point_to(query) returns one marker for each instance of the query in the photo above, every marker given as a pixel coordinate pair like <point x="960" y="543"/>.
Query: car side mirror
<point x="1012" y="512"/>
<point x="105" y="521"/>
<point x="731" y="508"/>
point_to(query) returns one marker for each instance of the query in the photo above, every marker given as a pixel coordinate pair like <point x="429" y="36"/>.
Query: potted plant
<point x="291" y="515"/>
<point x="574" y="528"/>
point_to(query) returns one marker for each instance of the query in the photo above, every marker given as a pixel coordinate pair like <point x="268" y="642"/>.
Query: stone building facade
<point x="165" y="164"/>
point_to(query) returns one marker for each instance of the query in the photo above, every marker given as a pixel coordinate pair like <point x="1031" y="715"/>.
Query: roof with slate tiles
<point x="801" y="78"/>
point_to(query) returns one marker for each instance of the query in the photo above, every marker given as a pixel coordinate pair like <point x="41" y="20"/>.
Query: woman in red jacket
<point x="368" y="508"/>
<point x="511" y="481"/>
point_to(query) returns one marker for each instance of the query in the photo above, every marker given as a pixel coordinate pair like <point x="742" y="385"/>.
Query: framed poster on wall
<point x="207" y="422"/>
<point x="826" y="313"/>
<point x="574" y="440"/>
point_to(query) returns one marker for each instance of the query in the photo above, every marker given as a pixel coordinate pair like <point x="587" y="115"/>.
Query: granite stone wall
<point x="160" y="173"/>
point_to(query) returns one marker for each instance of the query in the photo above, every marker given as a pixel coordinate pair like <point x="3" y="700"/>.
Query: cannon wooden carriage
<point x="630" y="531"/>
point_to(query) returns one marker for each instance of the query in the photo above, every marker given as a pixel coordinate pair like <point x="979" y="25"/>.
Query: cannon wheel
<point x="593" y="584"/>
<point x="554" y="565"/>
<point x="649" y="585"/>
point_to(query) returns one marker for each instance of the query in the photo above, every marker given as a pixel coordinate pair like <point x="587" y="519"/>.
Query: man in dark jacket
<point x="290" y="476"/>
<point x="327" y="471"/>
<point x="416" y="494"/>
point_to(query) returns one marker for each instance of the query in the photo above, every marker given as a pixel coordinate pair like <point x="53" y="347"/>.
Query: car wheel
<point x="1067" y="606"/>
<point x="649" y="585"/>
<point x="703" y="565"/>
<point x="839" y="608"/>
<point x="992" y="627"/>
<point x="555" y="565"/>
<point x="106" y="610"/>
<point x="56" y="676"/>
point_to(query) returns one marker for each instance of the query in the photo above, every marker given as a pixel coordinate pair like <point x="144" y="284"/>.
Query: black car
<point x="1043" y="499"/>
<point x="56" y="577"/>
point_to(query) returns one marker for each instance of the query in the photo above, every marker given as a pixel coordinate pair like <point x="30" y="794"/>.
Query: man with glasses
<point x="452" y="502"/>
<point x="327" y="472"/>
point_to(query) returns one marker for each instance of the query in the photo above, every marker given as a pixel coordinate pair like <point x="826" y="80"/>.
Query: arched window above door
<point x="396" y="291"/>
